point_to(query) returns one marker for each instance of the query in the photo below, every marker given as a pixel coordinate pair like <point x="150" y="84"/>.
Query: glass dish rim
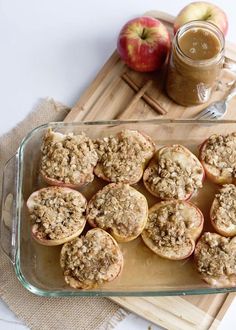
<point x="98" y="293"/>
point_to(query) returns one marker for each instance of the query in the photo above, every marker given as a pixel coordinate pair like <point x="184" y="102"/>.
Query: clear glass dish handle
<point x="8" y="228"/>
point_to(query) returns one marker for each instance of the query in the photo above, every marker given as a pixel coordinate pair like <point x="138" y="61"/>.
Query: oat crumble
<point x="87" y="258"/>
<point x="57" y="214"/>
<point x="68" y="158"/>
<point x="168" y="226"/>
<point x="121" y="157"/>
<point x="174" y="174"/>
<point x="119" y="207"/>
<point x="216" y="256"/>
<point x="224" y="212"/>
<point x="220" y="152"/>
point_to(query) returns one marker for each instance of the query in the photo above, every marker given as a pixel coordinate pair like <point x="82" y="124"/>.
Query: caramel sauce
<point x="195" y="66"/>
<point x="199" y="44"/>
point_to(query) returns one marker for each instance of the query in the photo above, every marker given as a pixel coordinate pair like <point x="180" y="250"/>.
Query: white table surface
<point x="55" y="48"/>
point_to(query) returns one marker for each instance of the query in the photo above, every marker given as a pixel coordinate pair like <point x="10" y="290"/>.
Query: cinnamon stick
<point x="148" y="99"/>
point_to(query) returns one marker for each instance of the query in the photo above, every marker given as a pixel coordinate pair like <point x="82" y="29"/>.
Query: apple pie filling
<point x="68" y="158"/>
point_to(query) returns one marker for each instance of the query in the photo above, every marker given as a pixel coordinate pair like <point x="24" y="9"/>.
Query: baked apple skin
<point x="34" y="229"/>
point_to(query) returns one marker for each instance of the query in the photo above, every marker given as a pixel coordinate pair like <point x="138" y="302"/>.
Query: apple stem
<point x="143" y="34"/>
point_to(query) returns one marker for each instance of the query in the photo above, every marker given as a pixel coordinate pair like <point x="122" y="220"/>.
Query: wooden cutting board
<point x="107" y="98"/>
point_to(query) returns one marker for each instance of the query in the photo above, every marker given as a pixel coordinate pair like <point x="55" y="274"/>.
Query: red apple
<point x="143" y="44"/>
<point x="204" y="11"/>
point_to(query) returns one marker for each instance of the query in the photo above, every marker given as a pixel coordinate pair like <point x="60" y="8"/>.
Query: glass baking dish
<point x="144" y="274"/>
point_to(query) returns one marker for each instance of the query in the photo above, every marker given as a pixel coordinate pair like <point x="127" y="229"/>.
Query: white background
<point x="55" y="48"/>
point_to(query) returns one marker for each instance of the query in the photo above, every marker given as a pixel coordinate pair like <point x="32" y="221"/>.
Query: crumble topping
<point x="168" y="226"/>
<point x="58" y="214"/>
<point x="119" y="207"/>
<point x="68" y="158"/>
<point x="175" y="174"/>
<point x="122" y="156"/>
<point x="220" y="152"/>
<point x="224" y="211"/>
<point x="90" y="258"/>
<point x="216" y="257"/>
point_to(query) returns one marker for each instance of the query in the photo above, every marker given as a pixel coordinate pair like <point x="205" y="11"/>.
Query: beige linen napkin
<point x="38" y="312"/>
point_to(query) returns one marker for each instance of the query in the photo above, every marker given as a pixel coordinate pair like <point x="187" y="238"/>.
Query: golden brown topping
<point x="118" y="207"/>
<point x="215" y="256"/>
<point x="168" y="225"/>
<point x="224" y="210"/>
<point x="92" y="259"/>
<point x="58" y="212"/>
<point x="174" y="173"/>
<point x="220" y="151"/>
<point x="68" y="158"/>
<point x="122" y="157"/>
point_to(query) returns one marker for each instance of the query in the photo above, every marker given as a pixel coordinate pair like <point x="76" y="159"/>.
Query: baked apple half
<point x="215" y="258"/>
<point x="67" y="160"/>
<point x="172" y="229"/>
<point x="119" y="209"/>
<point x="223" y="211"/>
<point x="91" y="260"/>
<point x="58" y="214"/>
<point x="218" y="157"/>
<point x="123" y="157"/>
<point x="173" y="173"/>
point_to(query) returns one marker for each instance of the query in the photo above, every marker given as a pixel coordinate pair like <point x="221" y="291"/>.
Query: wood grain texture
<point x="107" y="98"/>
<point x="147" y="98"/>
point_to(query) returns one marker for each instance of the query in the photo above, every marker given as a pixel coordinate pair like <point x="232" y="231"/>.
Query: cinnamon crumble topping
<point x="68" y="158"/>
<point x="174" y="174"/>
<point x="121" y="157"/>
<point x="58" y="214"/>
<point x="220" y="152"/>
<point x="168" y="225"/>
<point x="119" y="207"/>
<point x="90" y="258"/>
<point x="224" y="210"/>
<point x="216" y="257"/>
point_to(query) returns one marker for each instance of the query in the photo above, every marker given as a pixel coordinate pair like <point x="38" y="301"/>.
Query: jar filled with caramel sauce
<point x="195" y="63"/>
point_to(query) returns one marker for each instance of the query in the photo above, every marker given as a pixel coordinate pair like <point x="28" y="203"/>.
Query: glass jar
<point x="192" y="78"/>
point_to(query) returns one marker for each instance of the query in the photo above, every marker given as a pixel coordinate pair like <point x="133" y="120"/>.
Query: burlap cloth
<point x="38" y="312"/>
